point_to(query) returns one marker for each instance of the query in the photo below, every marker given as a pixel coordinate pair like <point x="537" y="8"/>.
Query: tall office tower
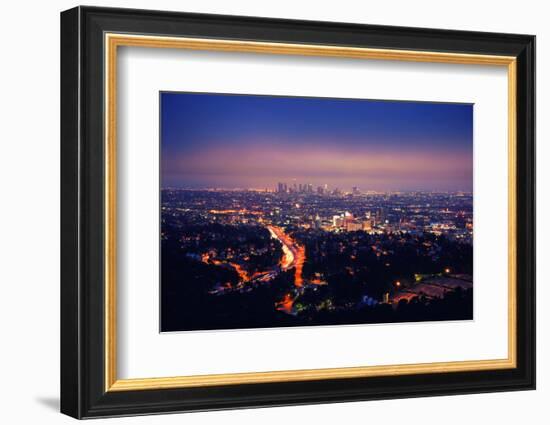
<point x="381" y="214"/>
<point x="317" y="222"/>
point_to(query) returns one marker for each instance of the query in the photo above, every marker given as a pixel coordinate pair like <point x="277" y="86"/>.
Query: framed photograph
<point x="261" y="212"/>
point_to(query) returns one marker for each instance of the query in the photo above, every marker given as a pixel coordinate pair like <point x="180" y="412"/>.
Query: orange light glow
<point x="226" y="211"/>
<point x="294" y="255"/>
<point x="286" y="304"/>
<point x="243" y="275"/>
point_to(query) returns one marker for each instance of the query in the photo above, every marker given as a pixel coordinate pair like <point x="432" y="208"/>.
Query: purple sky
<point x="244" y="141"/>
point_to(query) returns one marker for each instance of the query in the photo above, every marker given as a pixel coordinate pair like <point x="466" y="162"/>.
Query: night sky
<point x="245" y="141"/>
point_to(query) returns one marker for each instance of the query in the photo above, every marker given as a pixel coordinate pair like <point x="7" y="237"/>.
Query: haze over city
<point x="238" y="141"/>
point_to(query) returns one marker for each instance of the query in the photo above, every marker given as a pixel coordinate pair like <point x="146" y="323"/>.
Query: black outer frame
<point x="82" y="212"/>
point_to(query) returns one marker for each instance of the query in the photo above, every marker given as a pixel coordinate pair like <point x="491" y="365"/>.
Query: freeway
<point x="294" y="254"/>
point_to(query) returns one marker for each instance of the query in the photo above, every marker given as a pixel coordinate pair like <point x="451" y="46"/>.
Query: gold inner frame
<point x="113" y="41"/>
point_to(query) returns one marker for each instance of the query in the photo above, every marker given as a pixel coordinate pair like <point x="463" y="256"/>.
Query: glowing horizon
<point x="240" y="141"/>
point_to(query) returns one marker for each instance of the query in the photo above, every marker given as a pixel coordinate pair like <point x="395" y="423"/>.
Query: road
<point x="294" y="254"/>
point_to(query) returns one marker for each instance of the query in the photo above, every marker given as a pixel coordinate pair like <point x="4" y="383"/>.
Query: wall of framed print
<point x="306" y="213"/>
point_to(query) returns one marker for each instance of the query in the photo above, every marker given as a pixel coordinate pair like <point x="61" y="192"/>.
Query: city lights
<point x="251" y="241"/>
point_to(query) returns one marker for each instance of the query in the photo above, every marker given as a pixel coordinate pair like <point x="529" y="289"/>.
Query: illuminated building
<point x="352" y="226"/>
<point x="367" y="225"/>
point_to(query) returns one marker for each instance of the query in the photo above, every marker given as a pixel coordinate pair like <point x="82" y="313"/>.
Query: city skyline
<point x="372" y="145"/>
<point x="292" y="211"/>
<point x="327" y="188"/>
